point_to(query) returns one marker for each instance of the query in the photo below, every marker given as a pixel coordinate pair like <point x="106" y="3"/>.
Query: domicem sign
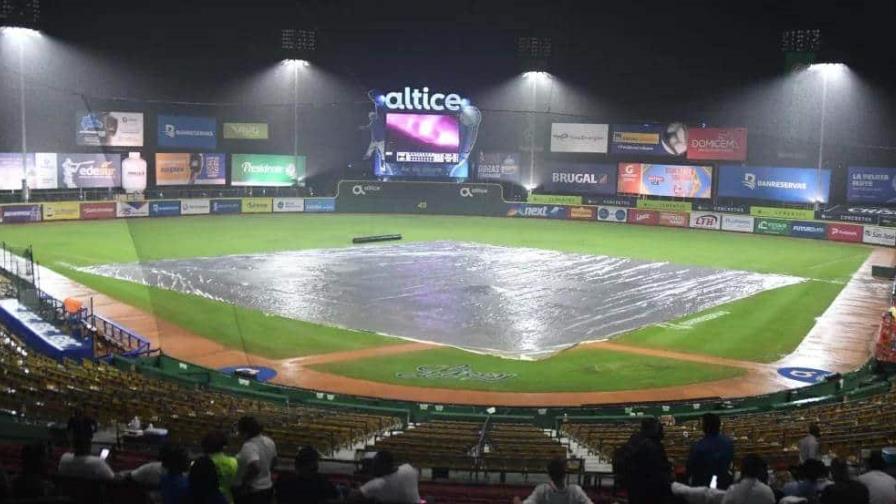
<point x="415" y="99"/>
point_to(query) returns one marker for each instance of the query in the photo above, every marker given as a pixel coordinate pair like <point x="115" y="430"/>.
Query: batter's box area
<point x="516" y="302"/>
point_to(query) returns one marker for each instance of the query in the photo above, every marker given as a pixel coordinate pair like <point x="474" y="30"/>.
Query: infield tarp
<point x="509" y="301"/>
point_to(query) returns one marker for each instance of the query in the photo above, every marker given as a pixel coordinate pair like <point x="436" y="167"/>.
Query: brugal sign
<point x="415" y="99"/>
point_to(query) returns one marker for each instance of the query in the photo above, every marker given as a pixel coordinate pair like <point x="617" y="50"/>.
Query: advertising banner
<point x="257" y="205"/>
<point x="665" y="180"/>
<point x="782" y="213"/>
<point x="622" y="201"/>
<point x="706" y="220"/>
<point x="869" y="184"/>
<point x="772" y="226"/>
<point x="721" y="144"/>
<point x="20" y="213"/>
<point x="89" y="171"/>
<point x="42" y="174"/>
<point x="809" y="229"/>
<point x="650" y="139"/>
<point x="183" y="168"/>
<point x="320" y="205"/>
<point x="707" y="206"/>
<point x="127" y="209"/>
<point x="187" y="132"/>
<point x="676" y="206"/>
<point x="612" y="214"/>
<point x="737" y="223"/>
<point x="879" y="236"/>
<point x="861" y="215"/>
<point x="582" y="212"/>
<point x="543" y="211"/>
<point x="62" y="210"/>
<point x="289" y="205"/>
<point x="845" y="232"/>
<point x="499" y="166"/>
<point x="11" y="170"/>
<point x="887" y="221"/>
<point x="554" y="199"/>
<point x="267" y="170"/>
<point x="789" y="185"/>
<point x="110" y="129"/>
<point x="411" y="197"/>
<point x="195" y="206"/>
<point x="226" y="206"/>
<point x="245" y="131"/>
<point x="575" y="137"/>
<point x="673" y="219"/>
<point x="169" y="208"/>
<point x="646" y="217"/>
<point x="101" y="210"/>
<point x="580" y="178"/>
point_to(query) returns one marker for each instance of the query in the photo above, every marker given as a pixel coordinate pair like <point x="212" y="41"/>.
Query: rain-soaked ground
<point x="511" y="301"/>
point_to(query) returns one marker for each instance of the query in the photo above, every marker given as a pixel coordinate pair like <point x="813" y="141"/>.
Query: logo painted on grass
<point x="805" y="375"/>
<point x="463" y="372"/>
<point x="687" y="325"/>
<point x="261" y="373"/>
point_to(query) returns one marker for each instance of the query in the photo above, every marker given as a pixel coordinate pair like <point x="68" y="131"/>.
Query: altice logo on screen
<point x="415" y="99"/>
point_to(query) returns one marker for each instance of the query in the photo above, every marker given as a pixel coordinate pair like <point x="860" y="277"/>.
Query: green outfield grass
<point x="760" y="328"/>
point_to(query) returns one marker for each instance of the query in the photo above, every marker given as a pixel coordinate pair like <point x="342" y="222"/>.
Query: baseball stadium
<point x="424" y="285"/>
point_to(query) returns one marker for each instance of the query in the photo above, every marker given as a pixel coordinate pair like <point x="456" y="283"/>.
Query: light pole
<point x="826" y="70"/>
<point x="18" y="36"/>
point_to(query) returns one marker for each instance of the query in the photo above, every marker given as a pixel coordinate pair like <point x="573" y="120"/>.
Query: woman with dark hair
<point x="203" y="483"/>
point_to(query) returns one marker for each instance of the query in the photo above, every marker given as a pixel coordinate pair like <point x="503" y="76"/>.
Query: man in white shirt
<point x="255" y="461"/>
<point x="81" y="464"/>
<point x="809" y="445"/>
<point x="881" y="486"/>
<point x="391" y="484"/>
<point x="557" y="491"/>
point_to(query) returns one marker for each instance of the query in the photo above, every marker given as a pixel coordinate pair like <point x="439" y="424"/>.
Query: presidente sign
<point x="415" y="99"/>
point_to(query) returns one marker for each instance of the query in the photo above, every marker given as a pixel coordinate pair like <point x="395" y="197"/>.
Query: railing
<point x="134" y="344"/>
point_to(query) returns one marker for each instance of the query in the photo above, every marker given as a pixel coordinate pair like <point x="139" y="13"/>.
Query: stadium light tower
<point x="826" y="71"/>
<point x="297" y="46"/>
<point x="534" y="54"/>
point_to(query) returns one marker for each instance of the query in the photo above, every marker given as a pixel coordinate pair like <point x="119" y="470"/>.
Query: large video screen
<point x="422" y="138"/>
<point x="665" y="180"/>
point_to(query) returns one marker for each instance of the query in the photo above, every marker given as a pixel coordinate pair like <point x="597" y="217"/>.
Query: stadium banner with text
<point x="258" y="205"/>
<point x="198" y="168"/>
<point x="737" y="223"/>
<point x="579" y="137"/>
<point x="61" y="210"/>
<point x="554" y="199"/>
<point x="623" y="201"/>
<point x="582" y="212"/>
<point x="772" y="226"/>
<point x="413" y="197"/>
<point x="678" y="181"/>
<point x="99" y="210"/>
<point x="649" y="139"/>
<point x="20" y="213"/>
<point x="845" y="232"/>
<point x="43" y="175"/>
<point x="773" y="183"/>
<point x="110" y="129"/>
<point x="226" y="206"/>
<point x="809" y="229"/>
<point x="646" y="217"/>
<point x="717" y="144"/>
<point x="127" y="209"/>
<point x="612" y="214"/>
<point x="87" y="171"/>
<point x="871" y="184"/>
<point x="187" y="132"/>
<point x="887" y="221"/>
<point x="879" y="235"/>
<point x="198" y="206"/>
<point x="707" y="206"/>
<point x="499" y="166"/>
<point x="12" y="172"/>
<point x="580" y="178"/>
<point x="861" y="215"/>
<point x="244" y="131"/>
<point x="320" y="205"/>
<point x="676" y="206"/>
<point x="782" y="213"/>
<point x="673" y="219"/>
<point x="706" y="220"/>
<point x="285" y="205"/>
<point x="169" y="208"/>
<point x="542" y="211"/>
<point x="270" y="170"/>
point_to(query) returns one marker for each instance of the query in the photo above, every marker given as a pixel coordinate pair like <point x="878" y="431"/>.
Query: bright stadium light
<point x="295" y="62"/>
<point x="19" y="31"/>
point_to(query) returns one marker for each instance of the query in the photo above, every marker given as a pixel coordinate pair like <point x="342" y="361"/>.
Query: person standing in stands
<point x="881" y="486"/>
<point x="254" y="464"/>
<point x="173" y="484"/>
<point x="33" y="482"/>
<point x="213" y="446"/>
<point x="711" y="456"/>
<point x="394" y="485"/>
<point x="204" y="486"/>
<point x="646" y="471"/>
<point x="809" y="445"/>
<point x="557" y="491"/>
<point x="751" y="489"/>
<point x="81" y="426"/>
<point x="306" y="485"/>
<point x="81" y="464"/>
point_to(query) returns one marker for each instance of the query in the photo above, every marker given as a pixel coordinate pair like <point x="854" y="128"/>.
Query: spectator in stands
<point x="845" y="492"/>
<point x="751" y="489"/>
<point x="812" y="478"/>
<point x="809" y="445"/>
<point x="306" y="485"/>
<point x="81" y="426"/>
<point x="254" y="463"/>
<point x="881" y="486"/>
<point x="213" y="446"/>
<point x="81" y="464"/>
<point x="642" y="464"/>
<point x="839" y="471"/>
<point x="173" y="484"/>
<point x="32" y="482"/>
<point x="557" y="491"/>
<point x="204" y="485"/>
<point x="149" y="475"/>
<point x="395" y="485"/>
<point x="711" y="456"/>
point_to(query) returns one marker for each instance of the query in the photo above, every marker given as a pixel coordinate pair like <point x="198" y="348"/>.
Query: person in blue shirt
<point x="711" y="455"/>
<point x="173" y="485"/>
